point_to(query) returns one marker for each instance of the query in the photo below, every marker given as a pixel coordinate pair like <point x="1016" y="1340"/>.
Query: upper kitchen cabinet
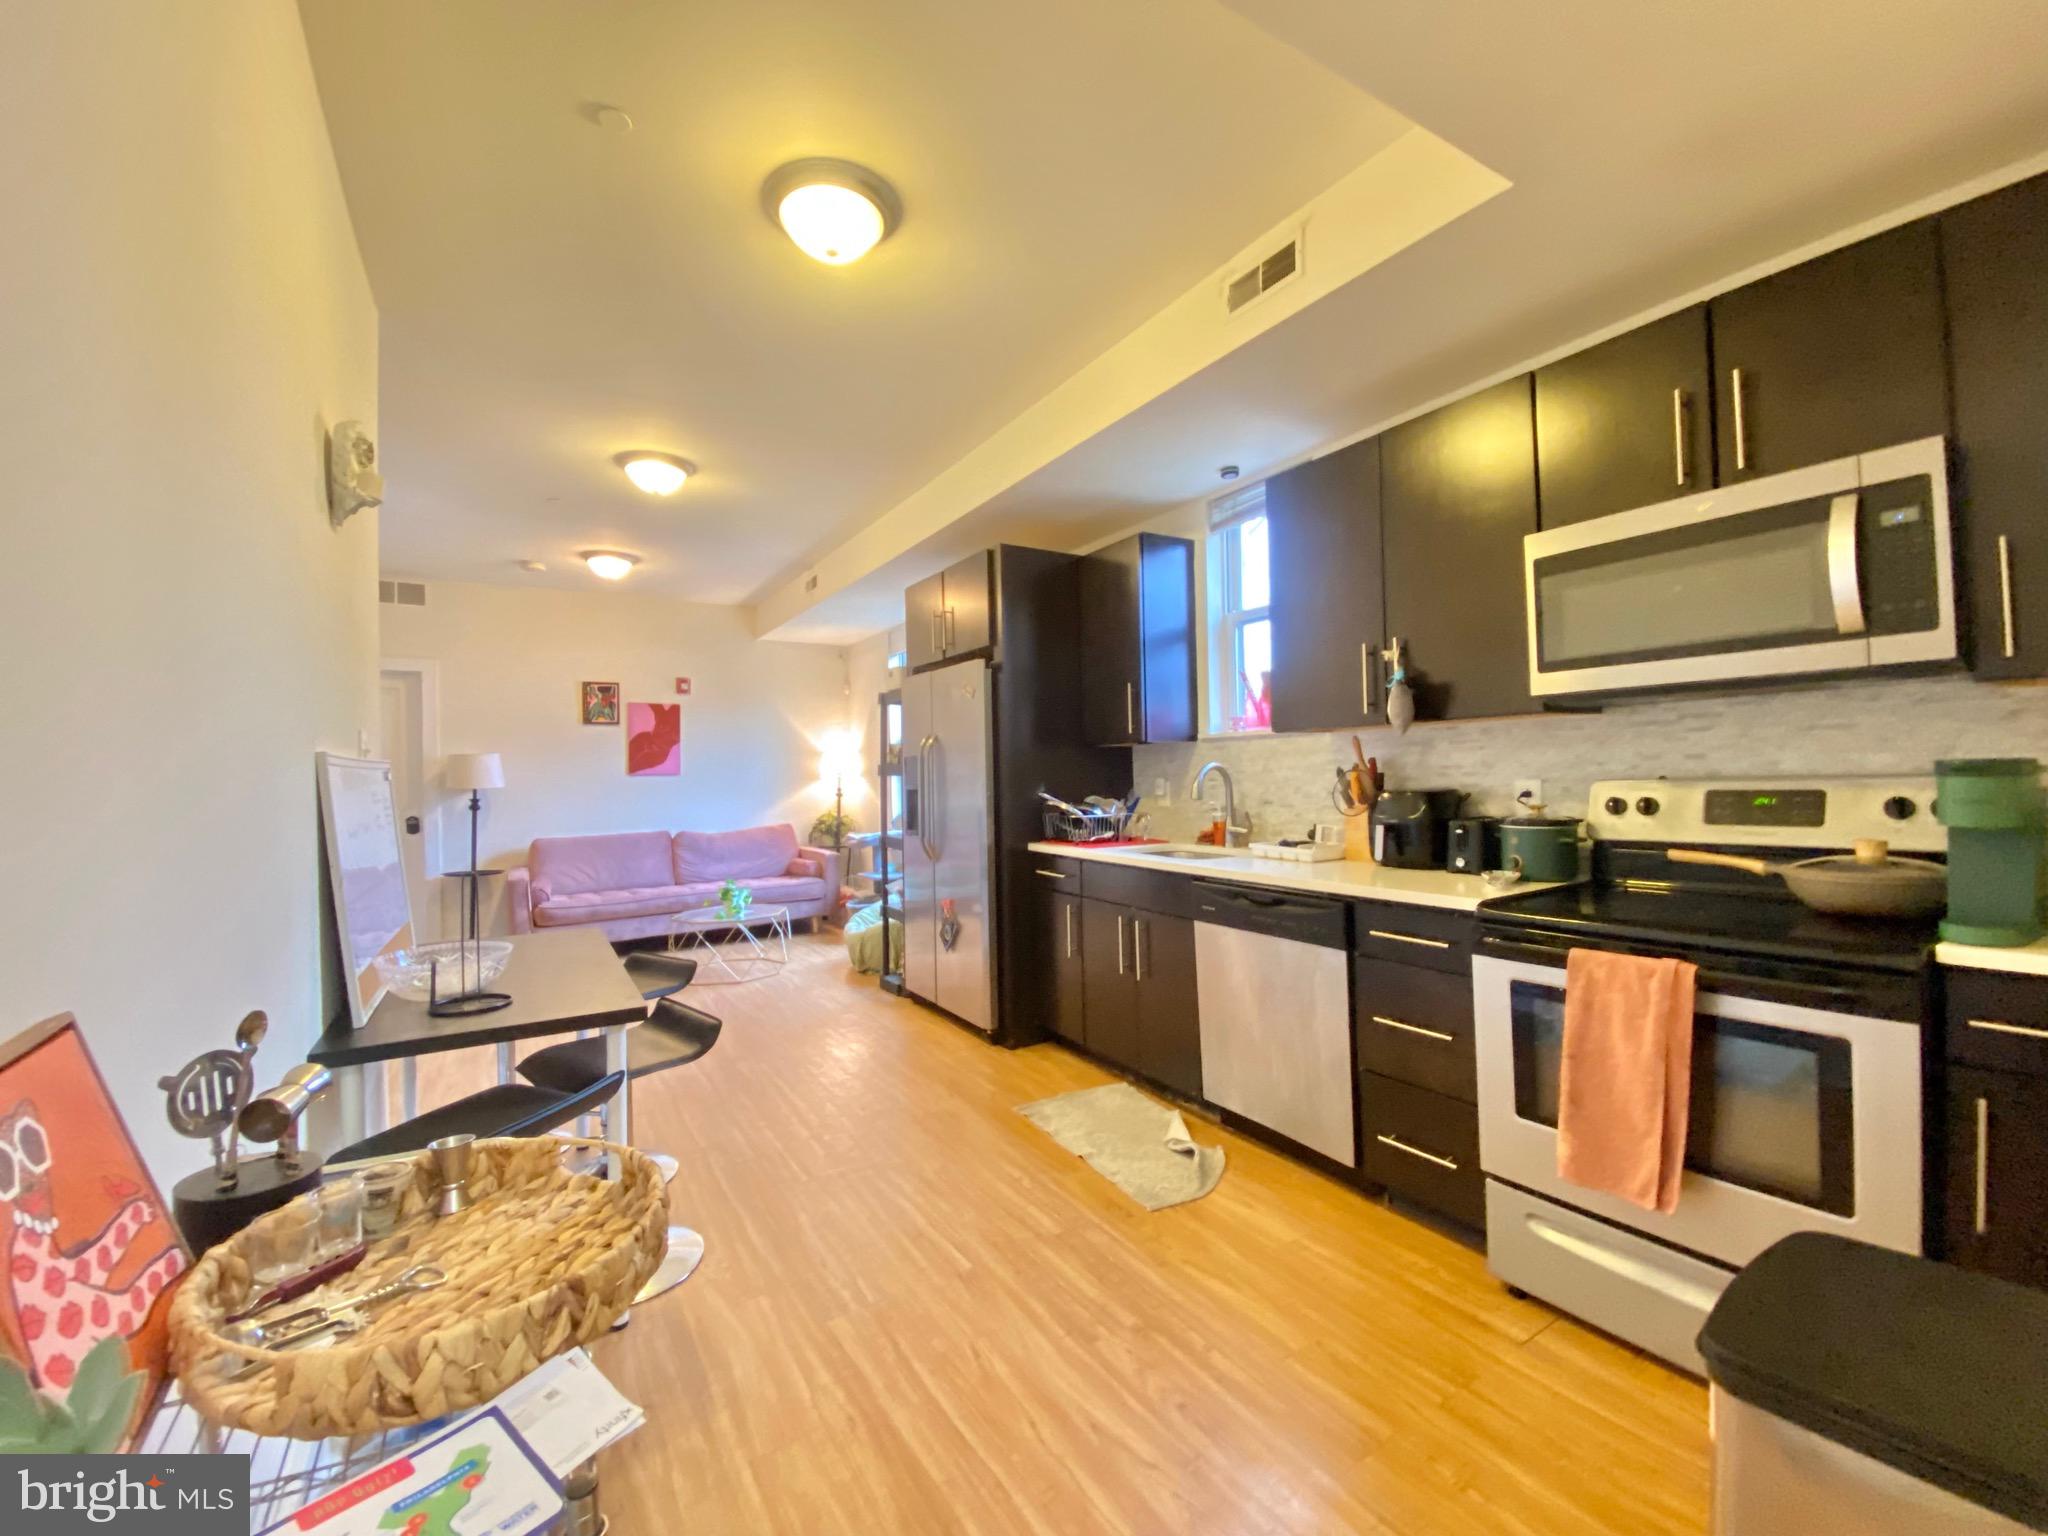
<point x="1627" y="423"/>
<point x="948" y="615"/>
<point x="1995" y="255"/>
<point x="1831" y="357"/>
<point x="1323" y="538"/>
<point x="1138" y="633"/>
<point x="1457" y="497"/>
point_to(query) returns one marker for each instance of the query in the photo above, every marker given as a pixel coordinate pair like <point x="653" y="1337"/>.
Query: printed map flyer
<point x="477" y="1479"/>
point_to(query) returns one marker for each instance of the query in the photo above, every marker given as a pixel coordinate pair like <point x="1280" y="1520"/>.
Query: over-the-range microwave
<point x="1839" y="567"/>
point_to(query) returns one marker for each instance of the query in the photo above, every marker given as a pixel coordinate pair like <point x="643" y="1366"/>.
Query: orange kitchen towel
<point x="1625" y="1081"/>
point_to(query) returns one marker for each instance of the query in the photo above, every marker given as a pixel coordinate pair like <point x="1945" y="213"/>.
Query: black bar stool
<point x="505" y="1109"/>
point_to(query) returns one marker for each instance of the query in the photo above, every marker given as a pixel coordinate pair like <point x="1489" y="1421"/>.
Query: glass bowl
<point x="409" y="972"/>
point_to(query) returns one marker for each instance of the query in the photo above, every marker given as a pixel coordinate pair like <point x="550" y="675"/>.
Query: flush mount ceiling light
<point x="658" y="474"/>
<point x="611" y="564"/>
<point x="834" y="210"/>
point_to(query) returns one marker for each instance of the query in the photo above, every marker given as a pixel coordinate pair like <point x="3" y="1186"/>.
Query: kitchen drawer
<point x="1055" y="873"/>
<point x="1997" y="1020"/>
<point x="1421" y="1145"/>
<point x="1414" y="935"/>
<point x="1148" y="891"/>
<point x="1416" y="1026"/>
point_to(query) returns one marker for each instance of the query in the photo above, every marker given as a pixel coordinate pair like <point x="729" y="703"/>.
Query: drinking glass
<point x="281" y="1245"/>
<point x="384" y="1186"/>
<point x="339" y="1209"/>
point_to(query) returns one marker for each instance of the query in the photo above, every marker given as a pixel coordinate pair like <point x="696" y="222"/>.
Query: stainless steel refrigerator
<point x="948" y="841"/>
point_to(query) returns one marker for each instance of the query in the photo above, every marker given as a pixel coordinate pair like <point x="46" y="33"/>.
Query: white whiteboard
<point x="371" y="910"/>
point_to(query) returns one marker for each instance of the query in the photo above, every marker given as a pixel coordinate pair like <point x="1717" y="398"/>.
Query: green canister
<point x="1997" y="820"/>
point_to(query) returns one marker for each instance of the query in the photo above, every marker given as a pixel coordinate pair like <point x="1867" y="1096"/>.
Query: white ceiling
<point x="1653" y="150"/>
<point x="551" y="293"/>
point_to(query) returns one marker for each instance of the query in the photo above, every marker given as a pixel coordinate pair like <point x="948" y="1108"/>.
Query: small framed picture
<point x="600" y="703"/>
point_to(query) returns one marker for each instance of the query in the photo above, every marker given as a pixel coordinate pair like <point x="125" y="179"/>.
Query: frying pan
<point x="1867" y="883"/>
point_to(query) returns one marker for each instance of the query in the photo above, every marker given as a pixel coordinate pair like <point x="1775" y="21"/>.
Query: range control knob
<point x="1648" y="806"/>
<point x="1616" y="806"/>
<point x="1901" y="808"/>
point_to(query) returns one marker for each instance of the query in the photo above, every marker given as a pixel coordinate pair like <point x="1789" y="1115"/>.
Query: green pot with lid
<point x="1997" y="818"/>
<point x="1541" y="847"/>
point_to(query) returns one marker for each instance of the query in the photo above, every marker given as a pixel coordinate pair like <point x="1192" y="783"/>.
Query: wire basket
<point x="1091" y="826"/>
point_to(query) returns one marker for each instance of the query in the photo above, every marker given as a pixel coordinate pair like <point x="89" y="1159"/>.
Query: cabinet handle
<point x="1138" y="946"/>
<point x="1119" y="943"/>
<point x="1413" y="1029"/>
<point x="1428" y="1157"/>
<point x="938" y="635"/>
<point x="2005" y="591"/>
<point x="1741" y="427"/>
<point x="1983" y="1166"/>
<point x="1048" y="874"/>
<point x="1130" y="709"/>
<point x="2002" y="1028"/>
<point x="1409" y="938"/>
<point x="1365" y="675"/>
<point x="1070" y="928"/>
<point x="1678" y="436"/>
<point x="952" y="634"/>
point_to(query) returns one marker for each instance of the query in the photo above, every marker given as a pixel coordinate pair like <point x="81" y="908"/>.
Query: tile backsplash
<point x="1897" y="726"/>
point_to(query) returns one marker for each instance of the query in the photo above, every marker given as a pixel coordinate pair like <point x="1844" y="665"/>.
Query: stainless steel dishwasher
<point x="1274" y="974"/>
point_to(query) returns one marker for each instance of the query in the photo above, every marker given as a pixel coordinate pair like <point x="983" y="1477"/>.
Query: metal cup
<point x="454" y="1158"/>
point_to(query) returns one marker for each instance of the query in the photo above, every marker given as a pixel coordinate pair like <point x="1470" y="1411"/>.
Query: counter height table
<point x="562" y="982"/>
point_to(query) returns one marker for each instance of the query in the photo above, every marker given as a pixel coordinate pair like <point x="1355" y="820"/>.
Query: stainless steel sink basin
<point x="1183" y="853"/>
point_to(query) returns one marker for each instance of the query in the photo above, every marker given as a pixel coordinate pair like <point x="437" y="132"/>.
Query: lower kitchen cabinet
<point x="1140" y="1010"/>
<point x="1416" y="1025"/>
<point x="1421" y="1145"/>
<point x="1061" y="980"/>
<point x="1995" y="1204"/>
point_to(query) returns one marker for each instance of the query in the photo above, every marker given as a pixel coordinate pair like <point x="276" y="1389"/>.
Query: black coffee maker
<point x="1411" y="827"/>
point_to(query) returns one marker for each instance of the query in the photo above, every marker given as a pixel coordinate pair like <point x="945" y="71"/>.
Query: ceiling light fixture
<point x="611" y="564"/>
<point x="834" y="210"/>
<point x="658" y="474"/>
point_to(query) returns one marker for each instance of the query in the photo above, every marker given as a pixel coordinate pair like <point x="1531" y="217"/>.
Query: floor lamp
<point x="475" y="772"/>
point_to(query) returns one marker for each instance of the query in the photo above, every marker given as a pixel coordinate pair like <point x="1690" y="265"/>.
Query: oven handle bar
<point x="1710" y="978"/>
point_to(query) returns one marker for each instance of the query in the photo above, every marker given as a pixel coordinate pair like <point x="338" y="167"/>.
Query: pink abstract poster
<point x="654" y="740"/>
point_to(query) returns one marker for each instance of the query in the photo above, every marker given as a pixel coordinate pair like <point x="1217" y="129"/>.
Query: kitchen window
<point x="1243" y="597"/>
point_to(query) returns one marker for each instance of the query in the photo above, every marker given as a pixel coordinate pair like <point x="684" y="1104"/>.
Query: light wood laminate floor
<point x="918" y="1314"/>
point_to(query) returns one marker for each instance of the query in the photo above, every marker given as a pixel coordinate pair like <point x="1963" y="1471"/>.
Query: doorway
<point x="409" y="740"/>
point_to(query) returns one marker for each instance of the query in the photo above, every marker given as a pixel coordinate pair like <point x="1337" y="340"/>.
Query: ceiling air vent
<point x="1263" y="276"/>
<point x="407" y="594"/>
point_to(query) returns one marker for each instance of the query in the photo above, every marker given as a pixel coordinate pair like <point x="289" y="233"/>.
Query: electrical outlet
<point x="1162" y="792"/>
<point x="1528" y="792"/>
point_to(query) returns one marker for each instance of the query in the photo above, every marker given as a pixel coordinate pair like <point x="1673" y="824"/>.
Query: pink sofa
<point x="631" y="883"/>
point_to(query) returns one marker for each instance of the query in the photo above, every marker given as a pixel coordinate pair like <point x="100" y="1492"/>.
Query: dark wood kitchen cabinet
<point x="1834" y="356"/>
<point x="1995" y="1202"/>
<point x="1995" y="263"/>
<point x="1138" y="641"/>
<point x="949" y="614"/>
<point x="1141" y="1012"/>
<point x="1329" y="617"/>
<point x="1060" y="981"/>
<point x="1457" y="496"/>
<point x="1627" y="423"/>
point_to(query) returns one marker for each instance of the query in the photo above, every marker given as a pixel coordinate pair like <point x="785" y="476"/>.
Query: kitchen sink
<point x="1184" y="853"/>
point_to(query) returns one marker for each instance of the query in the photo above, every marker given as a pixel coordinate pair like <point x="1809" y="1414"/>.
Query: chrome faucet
<point x="1231" y="830"/>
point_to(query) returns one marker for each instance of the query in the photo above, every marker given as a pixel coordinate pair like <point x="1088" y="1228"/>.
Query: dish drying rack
<point x="1097" y="820"/>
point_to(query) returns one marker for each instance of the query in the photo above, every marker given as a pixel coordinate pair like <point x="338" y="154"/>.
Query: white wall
<point x="512" y="662"/>
<point x="184" y="314"/>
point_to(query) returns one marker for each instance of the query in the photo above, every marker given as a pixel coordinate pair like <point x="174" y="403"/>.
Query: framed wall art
<point x="654" y="740"/>
<point x="600" y="703"/>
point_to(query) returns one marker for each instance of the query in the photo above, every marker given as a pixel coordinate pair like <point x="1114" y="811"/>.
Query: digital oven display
<point x="1767" y="807"/>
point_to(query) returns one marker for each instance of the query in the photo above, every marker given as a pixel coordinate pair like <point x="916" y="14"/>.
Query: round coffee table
<point x="690" y="933"/>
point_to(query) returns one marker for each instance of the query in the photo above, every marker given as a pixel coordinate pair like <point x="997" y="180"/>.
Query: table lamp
<point x="839" y="759"/>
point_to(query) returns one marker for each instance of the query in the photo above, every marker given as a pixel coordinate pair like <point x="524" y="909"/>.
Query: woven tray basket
<point x="543" y="1261"/>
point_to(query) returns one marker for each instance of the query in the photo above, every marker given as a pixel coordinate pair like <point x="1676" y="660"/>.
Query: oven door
<point x="1803" y="1118"/>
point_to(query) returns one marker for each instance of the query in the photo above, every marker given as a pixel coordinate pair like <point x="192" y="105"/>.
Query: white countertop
<point x="1338" y="877"/>
<point x="2025" y="959"/>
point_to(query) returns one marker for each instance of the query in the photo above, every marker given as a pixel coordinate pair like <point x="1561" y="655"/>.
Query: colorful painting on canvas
<point x="654" y="740"/>
<point x="88" y="1253"/>
<point x="600" y="703"/>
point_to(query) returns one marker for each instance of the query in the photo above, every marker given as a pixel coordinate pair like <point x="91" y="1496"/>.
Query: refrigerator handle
<point x="932" y="847"/>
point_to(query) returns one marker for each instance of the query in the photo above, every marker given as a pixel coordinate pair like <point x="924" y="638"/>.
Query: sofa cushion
<point x="610" y="861"/>
<point x="784" y="890"/>
<point x="811" y="867"/>
<point x="752" y="853"/>
<point x="631" y="901"/>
